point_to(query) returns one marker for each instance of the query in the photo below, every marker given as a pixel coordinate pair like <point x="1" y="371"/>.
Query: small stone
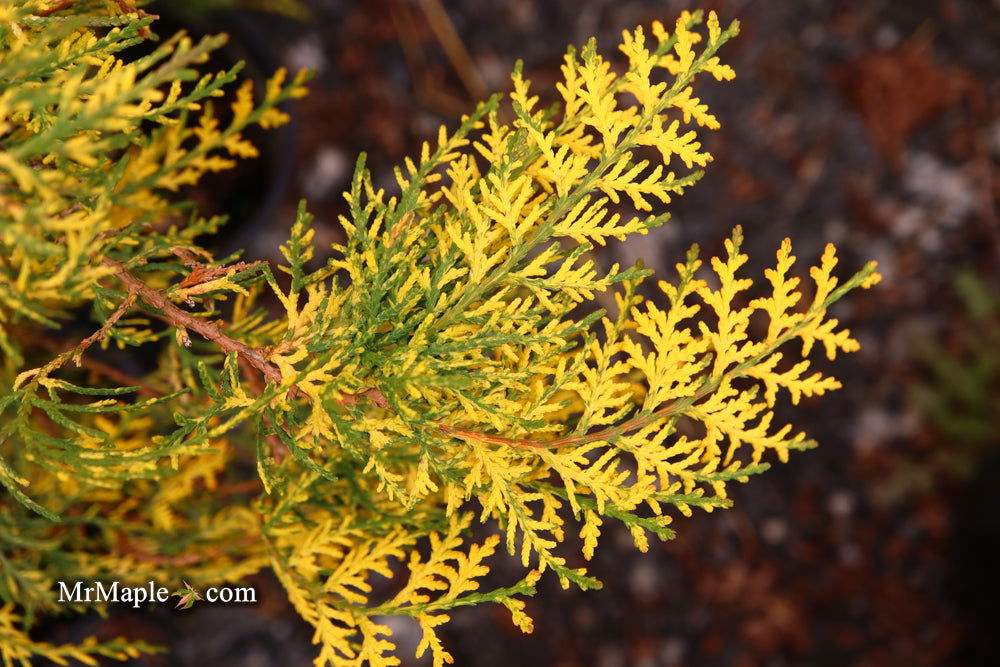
<point x="672" y="652"/>
<point x="840" y="503"/>
<point x="328" y="169"/>
<point x="307" y="53"/>
<point x="774" y="530"/>
<point x="643" y="579"/>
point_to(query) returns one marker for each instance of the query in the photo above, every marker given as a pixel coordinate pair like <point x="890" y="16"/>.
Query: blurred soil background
<point x="873" y="125"/>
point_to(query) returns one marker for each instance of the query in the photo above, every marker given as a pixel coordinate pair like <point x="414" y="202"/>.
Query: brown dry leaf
<point x="898" y="90"/>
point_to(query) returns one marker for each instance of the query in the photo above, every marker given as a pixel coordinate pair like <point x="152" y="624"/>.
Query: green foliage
<point x="446" y="367"/>
<point x="956" y="393"/>
<point x="959" y="396"/>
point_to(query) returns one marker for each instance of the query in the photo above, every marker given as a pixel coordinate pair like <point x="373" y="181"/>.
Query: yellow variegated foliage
<point x="445" y="370"/>
<point x="16" y="647"/>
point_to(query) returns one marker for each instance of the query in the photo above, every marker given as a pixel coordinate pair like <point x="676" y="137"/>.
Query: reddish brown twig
<point x="120" y="311"/>
<point x="201" y="273"/>
<point x="88" y="363"/>
<point x="128" y="8"/>
<point x="237" y="488"/>
<point x="207" y="330"/>
<point x="183" y="560"/>
<point x="253" y="356"/>
<point x="82" y="346"/>
<point x="55" y="8"/>
<point x="123" y="6"/>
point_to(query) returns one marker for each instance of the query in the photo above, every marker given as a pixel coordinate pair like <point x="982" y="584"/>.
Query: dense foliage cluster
<point x="448" y="366"/>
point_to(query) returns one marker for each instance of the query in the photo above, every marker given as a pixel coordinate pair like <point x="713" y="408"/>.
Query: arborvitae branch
<point x="448" y="366"/>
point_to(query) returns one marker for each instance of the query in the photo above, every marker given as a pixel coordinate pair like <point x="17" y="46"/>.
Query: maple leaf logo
<point x="188" y="596"/>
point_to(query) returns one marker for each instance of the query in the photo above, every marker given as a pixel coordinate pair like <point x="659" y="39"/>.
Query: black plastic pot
<point x="251" y="193"/>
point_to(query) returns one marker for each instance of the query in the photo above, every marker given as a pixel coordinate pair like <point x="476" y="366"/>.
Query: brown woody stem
<point x="180" y="318"/>
<point x="120" y="311"/>
<point x="55" y="8"/>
